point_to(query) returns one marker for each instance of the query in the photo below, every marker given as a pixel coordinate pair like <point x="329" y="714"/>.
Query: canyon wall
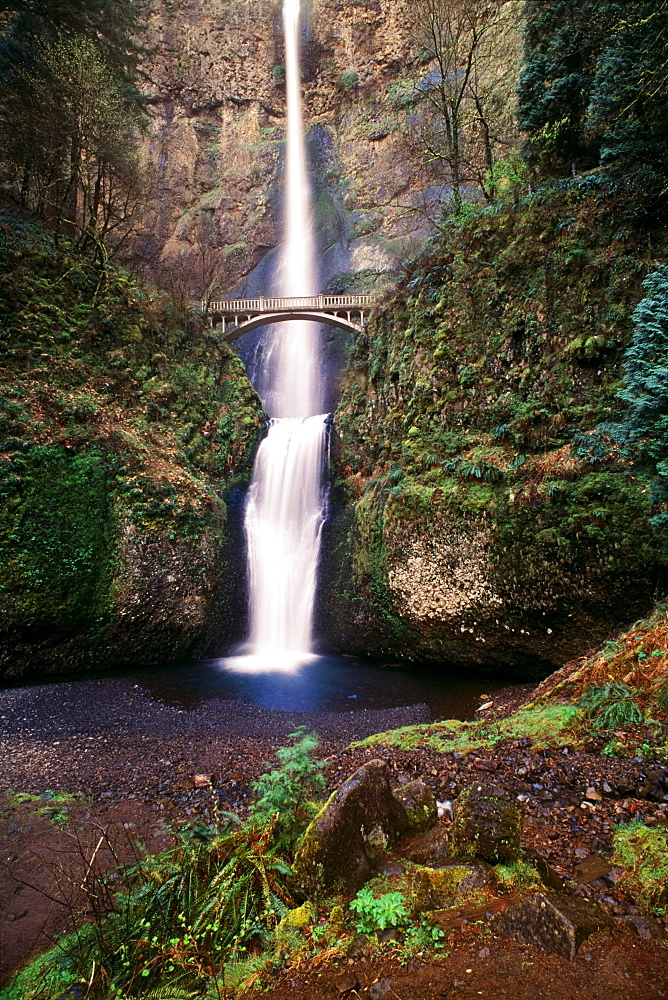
<point x="213" y="153"/>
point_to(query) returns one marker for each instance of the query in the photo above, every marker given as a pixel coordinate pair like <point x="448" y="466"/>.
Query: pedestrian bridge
<point x="237" y="316"/>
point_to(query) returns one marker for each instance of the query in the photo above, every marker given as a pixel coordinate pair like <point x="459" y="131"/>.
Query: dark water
<point x="328" y="684"/>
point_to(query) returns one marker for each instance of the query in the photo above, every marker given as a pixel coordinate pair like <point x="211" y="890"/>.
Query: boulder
<point x="438" y="888"/>
<point x="432" y="848"/>
<point x="645" y="927"/>
<point x="487" y="824"/>
<point x="420" y="806"/>
<point x="549" y="877"/>
<point x="360" y="819"/>
<point x="552" y="921"/>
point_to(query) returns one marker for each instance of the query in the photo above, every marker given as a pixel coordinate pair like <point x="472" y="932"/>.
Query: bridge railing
<point x="262" y="305"/>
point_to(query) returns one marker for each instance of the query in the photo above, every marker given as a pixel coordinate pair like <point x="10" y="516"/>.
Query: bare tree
<point x="465" y="120"/>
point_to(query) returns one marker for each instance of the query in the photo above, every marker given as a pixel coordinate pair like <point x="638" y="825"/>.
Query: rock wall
<point x="481" y="517"/>
<point x="128" y="431"/>
<point x="212" y="157"/>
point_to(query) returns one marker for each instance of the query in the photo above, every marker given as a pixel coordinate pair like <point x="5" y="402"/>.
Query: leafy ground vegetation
<point x="123" y="423"/>
<point x="216" y="914"/>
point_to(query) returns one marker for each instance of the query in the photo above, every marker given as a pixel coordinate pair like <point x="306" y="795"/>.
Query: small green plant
<point x="613" y="749"/>
<point x="285" y="795"/>
<point x="650" y="752"/>
<point x="422" y="938"/>
<point x="377" y="914"/>
<point x="608" y="706"/>
<point x="661" y="696"/>
<point x="54" y="806"/>
<point x="643" y="852"/>
<point x="349" y="81"/>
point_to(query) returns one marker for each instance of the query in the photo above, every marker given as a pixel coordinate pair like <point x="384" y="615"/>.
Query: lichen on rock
<point x="420" y="806"/>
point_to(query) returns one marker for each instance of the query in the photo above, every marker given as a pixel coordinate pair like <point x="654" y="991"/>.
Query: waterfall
<point x="286" y="502"/>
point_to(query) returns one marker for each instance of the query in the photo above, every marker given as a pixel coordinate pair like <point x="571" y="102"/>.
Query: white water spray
<point x="285" y="509"/>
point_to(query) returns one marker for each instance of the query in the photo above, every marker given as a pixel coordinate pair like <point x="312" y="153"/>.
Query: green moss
<point x="438" y="888"/>
<point x="518" y="877"/>
<point x="123" y="421"/>
<point x="467" y="385"/>
<point x="643" y="853"/>
<point x="298" y="919"/>
<point x="544" y="725"/>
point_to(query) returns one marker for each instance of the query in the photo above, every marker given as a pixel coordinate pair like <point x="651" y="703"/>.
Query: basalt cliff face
<point x="467" y="527"/>
<point x="212" y="157"/>
<point x="482" y="516"/>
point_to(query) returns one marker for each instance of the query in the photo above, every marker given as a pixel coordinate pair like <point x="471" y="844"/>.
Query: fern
<point x="610" y="705"/>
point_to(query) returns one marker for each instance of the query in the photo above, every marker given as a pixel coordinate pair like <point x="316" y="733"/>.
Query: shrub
<point x="284" y="795"/>
<point x="349" y="81"/>
<point x="610" y="705"/>
<point x="181" y="914"/>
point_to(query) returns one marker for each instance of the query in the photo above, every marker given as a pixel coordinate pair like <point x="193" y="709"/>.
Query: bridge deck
<point x="234" y="307"/>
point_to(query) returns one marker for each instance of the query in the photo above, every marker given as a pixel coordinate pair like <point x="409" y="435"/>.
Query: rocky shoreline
<point x="124" y="763"/>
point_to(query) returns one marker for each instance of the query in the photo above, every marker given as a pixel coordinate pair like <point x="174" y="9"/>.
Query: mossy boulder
<point x="420" y="806"/>
<point x="486" y="824"/>
<point x="438" y="888"/>
<point x="297" y="920"/>
<point x="486" y="518"/>
<point x="127" y="433"/>
<point x="360" y="819"/>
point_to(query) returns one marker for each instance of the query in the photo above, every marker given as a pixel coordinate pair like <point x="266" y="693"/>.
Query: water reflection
<point x="327" y="684"/>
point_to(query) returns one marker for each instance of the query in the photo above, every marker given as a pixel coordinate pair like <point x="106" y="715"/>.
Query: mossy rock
<point x="438" y="888"/>
<point x="420" y="806"/>
<point x="486" y="824"/>
<point x="298" y="919"/>
<point x="361" y="818"/>
<point x="431" y="848"/>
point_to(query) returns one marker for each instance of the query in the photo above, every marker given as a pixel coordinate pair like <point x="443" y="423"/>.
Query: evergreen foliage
<point x="644" y="432"/>
<point x="610" y="705"/>
<point x="562" y="41"/>
<point x="593" y="88"/>
<point x="70" y="112"/>
<point x="628" y="94"/>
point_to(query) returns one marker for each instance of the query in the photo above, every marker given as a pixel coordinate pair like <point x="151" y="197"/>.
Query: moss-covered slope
<point x="123" y="422"/>
<point x="487" y="523"/>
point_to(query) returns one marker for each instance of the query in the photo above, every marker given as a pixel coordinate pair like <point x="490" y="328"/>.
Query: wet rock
<point x="420" y="806"/>
<point x="360" y="819"/>
<point x="432" y="848"/>
<point x="592" y="868"/>
<point x="438" y="888"/>
<point x="645" y="927"/>
<point x="487" y="824"/>
<point x="387" y="865"/>
<point x="358" y="947"/>
<point x="380" y="989"/>
<point x="548" y="876"/>
<point x="203" y="780"/>
<point x="555" y="923"/>
<point x="346" y="982"/>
